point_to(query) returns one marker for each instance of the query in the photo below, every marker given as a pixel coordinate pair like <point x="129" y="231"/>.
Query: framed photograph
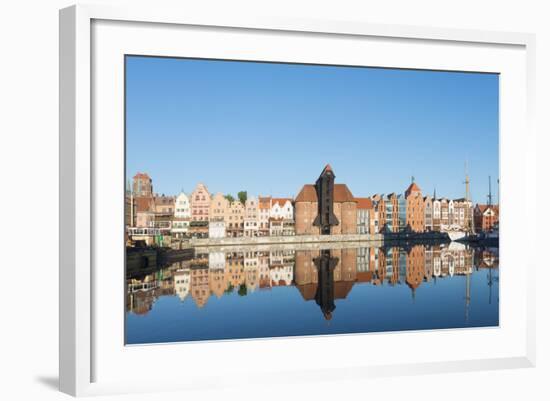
<point x="319" y="192"/>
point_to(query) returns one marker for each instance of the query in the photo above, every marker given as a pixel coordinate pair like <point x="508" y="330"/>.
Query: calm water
<point x="269" y="292"/>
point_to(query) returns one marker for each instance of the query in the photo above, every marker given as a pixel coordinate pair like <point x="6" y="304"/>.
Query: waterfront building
<point x="216" y="229"/>
<point x="451" y="213"/>
<point x="395" y="213"/>
<point x="145" y="219"/>
<point x="219" y="208"/>
<point x="486" y="217"/>
<point x="339" y="214"/>
<point x="264" y="210"/>
<point x="182" y="206"/>
<point x="235" y="226"/>
<point x="463" y="214"/>
<point x="364" y="212"/>
<point x="142" y="186"/>
<point x="415" y="218"/>
<point x="378" y="218"/>
<point x="130" y="208"/>
<point x="436" y="207"/>
<point x="164" y="204"/>
<point x="198" y="229"/>
<point x="251" y="217"/>
<point x="281" y="208"/>
<point x="200" y="203"/>
<point x="428" y="214"/>
<point x="182" y="216"/>
<point x="444" y="220"/>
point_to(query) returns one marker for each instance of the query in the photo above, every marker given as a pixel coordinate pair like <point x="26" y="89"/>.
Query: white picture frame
<point x="81" y="211"/>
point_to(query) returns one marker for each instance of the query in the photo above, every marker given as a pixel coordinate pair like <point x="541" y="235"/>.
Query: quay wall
<point x="367" y="239"/>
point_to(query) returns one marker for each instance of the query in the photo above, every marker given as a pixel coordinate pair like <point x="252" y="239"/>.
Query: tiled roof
<point x="412" y="188"/>
<point x="364" y="203"/>
<point x="264" y="202"/>
<point x="281" y="201"/>
<point x="142" y="175"/>
<point x="483" y="208"/>
<point x="341" y="194"/>
<point x="307" y="194"/>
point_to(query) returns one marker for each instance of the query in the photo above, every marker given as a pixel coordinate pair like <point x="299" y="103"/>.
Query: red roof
<point x="483" y="208"/>
<point x="412" y="188"/>
<point x="281" y="201"/>
<point x="264" y="202"/>
<point x="341" y="194"/>
<point x="364" y="203"/>
<point x="142" y="175"/>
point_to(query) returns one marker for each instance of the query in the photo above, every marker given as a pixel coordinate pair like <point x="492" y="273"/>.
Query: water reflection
<point x="325" y="276"/>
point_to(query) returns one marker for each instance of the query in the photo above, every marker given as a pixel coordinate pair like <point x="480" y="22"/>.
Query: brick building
<point x="415" y="208"/>
<point x="486" y="217"/>
<point x="337" y="199"/>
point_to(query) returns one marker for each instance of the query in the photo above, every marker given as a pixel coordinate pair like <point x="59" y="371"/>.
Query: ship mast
<point x="489" y="197"/>
<point x="469" y="218"/>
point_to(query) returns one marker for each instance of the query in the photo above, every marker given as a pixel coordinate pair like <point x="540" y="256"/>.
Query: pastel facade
<point x="200" y="203"/>
<point x="428" y="214"/>
<point x="264" y="211"/>
<point x="251" y="217"/>
<point x="164" y="204"/>
<point x="235" y="220"/>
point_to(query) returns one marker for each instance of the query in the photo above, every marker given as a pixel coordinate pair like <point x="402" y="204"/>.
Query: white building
<point x="216" y="229"/>
<point x="281" y="208"/>
<point x="182" y="216"/>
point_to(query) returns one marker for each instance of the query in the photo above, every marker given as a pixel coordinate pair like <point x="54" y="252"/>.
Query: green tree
<point x="229" y="197"/>
<point x="242" y="195"/>
<point x="229" y="289"/>
<point x="242" y="290"/>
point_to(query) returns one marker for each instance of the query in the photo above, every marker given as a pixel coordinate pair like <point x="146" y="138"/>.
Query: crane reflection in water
<point x="279" y="291"/>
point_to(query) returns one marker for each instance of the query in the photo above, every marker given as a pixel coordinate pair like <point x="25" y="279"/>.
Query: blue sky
<point x="270" y="128"/>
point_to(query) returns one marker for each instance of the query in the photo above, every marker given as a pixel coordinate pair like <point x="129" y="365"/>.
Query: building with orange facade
<point x="415" y="208"/>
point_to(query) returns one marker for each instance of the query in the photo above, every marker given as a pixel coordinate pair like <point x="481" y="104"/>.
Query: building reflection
<point x="323" y="276"/>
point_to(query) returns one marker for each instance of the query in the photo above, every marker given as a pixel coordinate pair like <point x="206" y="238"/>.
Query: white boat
<point x="456" y="235"/>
